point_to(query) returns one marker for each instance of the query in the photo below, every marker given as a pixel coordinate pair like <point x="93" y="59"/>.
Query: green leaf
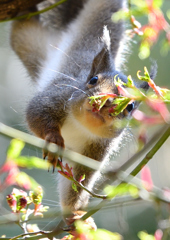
<point x="82" y="178"/>
<point x="118" y="81"/>
<point x="168" y="14"/>
<point x="145" y="236"/>
<point x="23" y="217"/>
<point x="121" y="103"/>
<point x="133" y="191"/>
<point x="130" y="82"/>
<point x="165" y="95"/>
<point x="122" y="189"/>
<point x="120" y="15"/>
<point x="146" y="73"/>
<point x="144" y="51"/>
<point x="101" y="234"/>
<point x="15" y="148"/>
<point x="25" y="181"/>
<point x="74" y="187"/>
<point x="36" y="195"/>
<point x="31" y="162"/>
<point x="164" y="46"/>
<point x="157" y="3"/>
<point x="139" y="3"/>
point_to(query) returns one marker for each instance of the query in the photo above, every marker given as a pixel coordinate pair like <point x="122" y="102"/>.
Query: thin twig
<point x="87" y="190"/>
<point x="40" y="234"/>
<point x="31" y="233"/>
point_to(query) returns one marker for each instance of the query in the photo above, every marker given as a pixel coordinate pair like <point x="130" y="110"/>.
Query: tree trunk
<point x="11" y="8"/>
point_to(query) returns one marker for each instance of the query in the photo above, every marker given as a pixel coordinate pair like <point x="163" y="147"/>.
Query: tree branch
<point x="51" y="147"/>
<point x="10" y="8"/>
<point x="31" y="14"/>
<point x="87" y="190"/>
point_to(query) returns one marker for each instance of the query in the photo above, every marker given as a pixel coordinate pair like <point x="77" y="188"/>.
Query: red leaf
<point x="65" y="174"/>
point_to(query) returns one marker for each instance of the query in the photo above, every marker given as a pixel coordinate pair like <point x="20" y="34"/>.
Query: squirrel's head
<point x="101" y="81"/>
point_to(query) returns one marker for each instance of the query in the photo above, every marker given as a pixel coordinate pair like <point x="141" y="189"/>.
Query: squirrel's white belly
<point x="75" y="135"/>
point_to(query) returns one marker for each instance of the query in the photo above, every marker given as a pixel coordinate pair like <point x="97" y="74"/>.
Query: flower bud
<point x="22" y="203"/>
<point x="12" y="202"/>
<point x="37" y="195"/>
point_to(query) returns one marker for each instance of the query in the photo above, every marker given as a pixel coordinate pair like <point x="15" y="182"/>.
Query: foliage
<point x="128" y="93"/>
<point x="13" y="175"/>
<point x="148" y="33"/>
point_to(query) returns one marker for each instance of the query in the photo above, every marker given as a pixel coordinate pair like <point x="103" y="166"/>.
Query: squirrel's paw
<point x="57" y="139"/>
<point x="76" y="215"/>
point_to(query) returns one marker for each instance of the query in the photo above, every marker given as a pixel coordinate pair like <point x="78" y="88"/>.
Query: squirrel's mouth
<point x="96" y="115"/>
<point x="99" y="122"/>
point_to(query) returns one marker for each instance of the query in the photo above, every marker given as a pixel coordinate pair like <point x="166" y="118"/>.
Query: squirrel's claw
<point x="52" y="159"/>
<point x="57" y="139"/>
<point x="76" y="215"/>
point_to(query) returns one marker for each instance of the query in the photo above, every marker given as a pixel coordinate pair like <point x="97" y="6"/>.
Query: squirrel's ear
<point x="103" y="61"/>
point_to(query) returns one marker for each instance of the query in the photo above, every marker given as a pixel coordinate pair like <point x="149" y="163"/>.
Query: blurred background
<point x="15" y="91"/>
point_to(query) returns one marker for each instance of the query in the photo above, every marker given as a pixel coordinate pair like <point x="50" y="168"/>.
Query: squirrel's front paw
<point x="76" y="215"/>
<point x="53" y="137"/>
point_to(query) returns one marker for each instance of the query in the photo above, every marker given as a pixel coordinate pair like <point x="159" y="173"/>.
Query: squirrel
<point x="73" y="52"/>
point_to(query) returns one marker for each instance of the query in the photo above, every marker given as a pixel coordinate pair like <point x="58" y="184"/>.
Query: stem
<point x="151" y="153"/>
<point x="35" y="13"/>
<point x="87" y="190"/>
<point x="32" y="233"/>
<point x="20" y="225"/>
<point x="151" y="144"/>
<point x="129" y="5"/>
<point x="40" y="234"/>
<point x="24" y="223"/>
<point x="156" y="193"/>
<point x="13" y="218"/>
<point x="164" y="133"/>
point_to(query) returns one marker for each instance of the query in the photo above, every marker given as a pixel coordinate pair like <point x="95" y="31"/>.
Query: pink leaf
<point x="141" y="117"/>
<point x="8" y="165"/>
<point x="158" y="234"/>
<point x="146" y="178"/>
<point x="159" y="106"/>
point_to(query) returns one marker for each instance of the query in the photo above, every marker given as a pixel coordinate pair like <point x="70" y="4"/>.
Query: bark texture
<point x="11" y="8"/>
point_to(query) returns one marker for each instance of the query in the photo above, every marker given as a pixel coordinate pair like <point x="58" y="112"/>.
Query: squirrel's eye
<point x="130" y="107"/>
<point x="93" y="80"/>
